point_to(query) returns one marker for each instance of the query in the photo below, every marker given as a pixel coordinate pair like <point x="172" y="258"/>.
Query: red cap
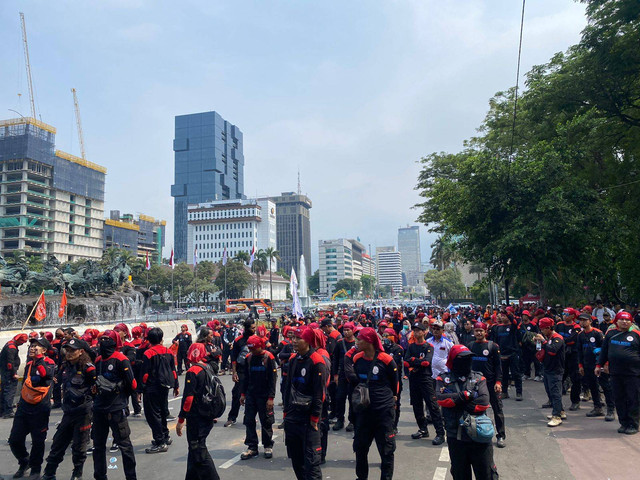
<point x="349" y="325"/>
<point x="546" y="322"/>
<point x="481" y="325"/>
<point x="454" y="352"/>
<point x="369" y="335"/>
<point x="21" y="338"/>
<point x="539" y="312"/>
<point x="121" y="327"/>
<point x="48" y="336"/>
<point x="571" y="311"/>
<point x="112" y="334"/>
<point x="255" y="341"/>
<point x="136" y="332"/>
<point x="185" y="326"/>
<point x="383" y="324"/>
<point x="306" y="334"/>
<point x="197" y="352"/>
<point x="526" y="312"/>
<point x="319" y="339"/>
<point x="587" y="308"/>
<point x="391" y="332"/>
<point x="623" y="315"/>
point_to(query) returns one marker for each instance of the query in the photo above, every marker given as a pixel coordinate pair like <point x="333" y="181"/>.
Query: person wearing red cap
<point x="377" y="370"/>
<point x="284" y="352"/>
<point x="303" y="400"/>
<point x="527" y="327"/>
<point x="197" y="415"/>
<point x="620" y="357"/>
<point x="183" y="341"/>
<point x="239" y="353"/>
<point x="551" y="354"/>
<point x="9" y="364"/>
<point x="114" y="384"/>
<point x="418" y="359"/>
<point x="569" y="330"/>
<point x="257" y="391"/>
<point x="344" y="389"/>
<point x="389" y="341"/>
<point x="487" y="360"/>
<point x="461" y="391"/>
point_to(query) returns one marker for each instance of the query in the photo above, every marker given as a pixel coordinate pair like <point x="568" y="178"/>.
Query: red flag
<point x="148" y="265"/>
<point x="63" y="304"/>
<point x="171" y="264"/>
<point x="41" y="309"/>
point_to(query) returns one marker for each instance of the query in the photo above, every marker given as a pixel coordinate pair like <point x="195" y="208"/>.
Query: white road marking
<point x="440" y="473"/>
<point x="174" y="399"/>
<point x="236" y="459"/>
<point x="444" y="455"/>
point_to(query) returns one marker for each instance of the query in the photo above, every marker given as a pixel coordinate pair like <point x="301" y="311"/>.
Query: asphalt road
<point x="582" y="448"/>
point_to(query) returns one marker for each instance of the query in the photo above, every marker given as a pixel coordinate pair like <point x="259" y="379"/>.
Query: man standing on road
<point x="418" y="360"/>
<point x="158" y="376"/>
<point x="183" y="340"/>
<point x="505" y="334"/>
<point x="589" y="346"/>
<point x="239" y="353"/>
<point x="229" y="334"/>
<point x="569" y="330"/>
<point x="486" y="360"/>
<point x="551" y="354"/>
<point x="343" y="390"/>
<point x="621" y="354"/>
<point x="9" y="364"/>
<point x="257" y="391"/>
<point x="304" y="396"/>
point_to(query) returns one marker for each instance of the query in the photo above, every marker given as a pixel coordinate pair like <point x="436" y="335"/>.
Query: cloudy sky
<point x="351" y="93"/>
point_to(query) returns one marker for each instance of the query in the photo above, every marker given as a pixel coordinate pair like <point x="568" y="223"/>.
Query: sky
<point x="350" y="93"/>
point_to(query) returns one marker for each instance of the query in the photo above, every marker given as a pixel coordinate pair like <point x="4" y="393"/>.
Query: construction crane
<point x="28" y="65"/>
<point x="78" y="123"/>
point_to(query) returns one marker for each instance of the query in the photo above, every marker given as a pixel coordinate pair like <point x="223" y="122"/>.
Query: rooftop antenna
<point x="299" y="186"/>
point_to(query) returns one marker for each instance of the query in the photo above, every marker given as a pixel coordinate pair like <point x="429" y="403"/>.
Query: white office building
<point x="237" y="225"/>
<point x="389" y="268"/>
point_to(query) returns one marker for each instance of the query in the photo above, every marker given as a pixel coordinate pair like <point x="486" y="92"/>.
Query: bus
<point x="249" y="305"/>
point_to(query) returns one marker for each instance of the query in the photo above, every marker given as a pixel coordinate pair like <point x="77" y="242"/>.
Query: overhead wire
<point x="515" y="102"/>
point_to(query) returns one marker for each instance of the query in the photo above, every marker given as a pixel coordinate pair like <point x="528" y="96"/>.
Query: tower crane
<point x="28" y="65"/>
<point x="78" y="123"/>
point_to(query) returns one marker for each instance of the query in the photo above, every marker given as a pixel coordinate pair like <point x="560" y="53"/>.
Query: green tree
<point x="242" y="257"/>
<point x="274" y="256"/>
<point x="351" y="285"/>
<point x="313" y="282"/>
<point x="238" y="279"/>
<point x="368" y="284"/>
<point x="445" y="283"/>
<point x="259" y="266"/>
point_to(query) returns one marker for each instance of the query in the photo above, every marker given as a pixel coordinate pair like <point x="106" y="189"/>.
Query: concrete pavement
<point x="582" y="448"/>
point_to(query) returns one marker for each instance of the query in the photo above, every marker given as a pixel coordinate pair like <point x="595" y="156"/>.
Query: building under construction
<point x="51" y="202"/>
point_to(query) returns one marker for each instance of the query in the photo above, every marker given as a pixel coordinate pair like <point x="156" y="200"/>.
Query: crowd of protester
<point x="334" y="370"/>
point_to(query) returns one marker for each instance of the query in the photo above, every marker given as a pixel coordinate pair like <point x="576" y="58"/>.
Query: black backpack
<point x="164" y="370"/>
<point x="213" y="402"/>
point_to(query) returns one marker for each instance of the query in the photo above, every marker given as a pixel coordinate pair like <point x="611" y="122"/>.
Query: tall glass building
<point x="409" y="248"/>
<point x="209" y="166"/>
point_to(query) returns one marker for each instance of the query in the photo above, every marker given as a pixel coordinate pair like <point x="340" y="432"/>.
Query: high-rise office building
<point x="335" y="263"/>
<point x="51" y="202"/>
<point x="409" y="248"/>
<point x="389" y="268"/>
<point x="293" y="231"/>
<point x="209" y="166"/>
<point x="238" y="225"/>
<point x="141" y="236"/>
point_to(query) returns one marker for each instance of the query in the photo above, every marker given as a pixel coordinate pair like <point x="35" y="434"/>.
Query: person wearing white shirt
<point x="441" y="347"/>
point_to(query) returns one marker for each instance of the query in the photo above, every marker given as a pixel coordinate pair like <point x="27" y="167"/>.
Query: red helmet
<point x="623" y="315"/>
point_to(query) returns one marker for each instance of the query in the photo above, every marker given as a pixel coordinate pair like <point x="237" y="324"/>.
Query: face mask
<point x="106" y="348"/>
<point x="405" y="327"/>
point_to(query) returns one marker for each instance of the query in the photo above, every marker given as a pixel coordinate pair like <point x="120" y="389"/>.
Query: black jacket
<point x="117" y="369"/>
<point x="622" y="351"/>
<point x="486" y="360"/>
<point x="260" y="376"/>
<point x="9" y="359"/>
<point x="307" y="377"/>
<point x="77" y="381"/>
<point x="383" y="382"/>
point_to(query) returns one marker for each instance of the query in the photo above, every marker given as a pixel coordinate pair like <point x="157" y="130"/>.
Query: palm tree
<point x="272" y="254"/>
<point x="242" y="256"/>
<point x="259" y="266"/>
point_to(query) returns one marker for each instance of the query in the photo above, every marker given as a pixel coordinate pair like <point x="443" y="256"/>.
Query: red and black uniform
<point x="377" y="421"/>
<point x="284" y="352"/>
<point x="274" y="335"/>
<point x="109" y="412"/>
<point x="77" y="381"/>
<point x="259" y="385"/>
<point x="529" y="354"/>
<point x="9" y="364"/>
<point x="553" y="364"/>
<point x="344" y="389"/>
<point x="239" y="352"/>
<point x="330" y="346"/>
<point x="183" y="340"/>
<point x="397" y="352"/>
<point x="569" y="332"/>
<point x="417" y="359"/>
<point x="158" y="376"/>
<point x="304" y="396"/>
<point x="508" y="339"/>
<point x="57" y="344"/>
<point x="589" y="346"/>
<point x="33" y="418"/>
<point x="130" y="351"/>
<point x="199" y="423"/>
<point x="621" y="351"/>
<point x="486" y="360"/>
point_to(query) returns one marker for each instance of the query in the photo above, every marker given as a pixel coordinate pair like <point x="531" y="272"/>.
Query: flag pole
<point x="32" y="310"/>
<point x="172" y="299"/>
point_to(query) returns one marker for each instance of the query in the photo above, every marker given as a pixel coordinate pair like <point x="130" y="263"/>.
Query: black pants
<point x="511" y="369"/>
<point x="156" y="408"/>
<point x="626" y="393"/>
<point x="471" y="455"/>
<point x="117" y="422"/>
<point x="375" y="425"/>
<point x="304" y="449"/>
<point x="56" y="388"/>
<point x="332" y="389"/>
<point x="572" y="371"/>
<point x="36" y="424"/>
<point x="593" y="383"/>
<point x="496" y="405"/>
<point x="182" y="360"/>
<point x="421" y="391"/>
<point x="397" y="415"/>
<point x="235" y="399"/>
<point x="529" y="357"/>
<point x="553" y="387"/>
<point x="9" y="387"/>
<point x="252" y="406"/>
<point x="199" y="462"/>
<point x="74" y="429"/>
<point x="226" y="353"/>
<point x="137" y="408"/>
<point x="343" y="393"/>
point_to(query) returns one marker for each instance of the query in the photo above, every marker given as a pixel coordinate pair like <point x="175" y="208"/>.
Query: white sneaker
<point x="554" y="422"/>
